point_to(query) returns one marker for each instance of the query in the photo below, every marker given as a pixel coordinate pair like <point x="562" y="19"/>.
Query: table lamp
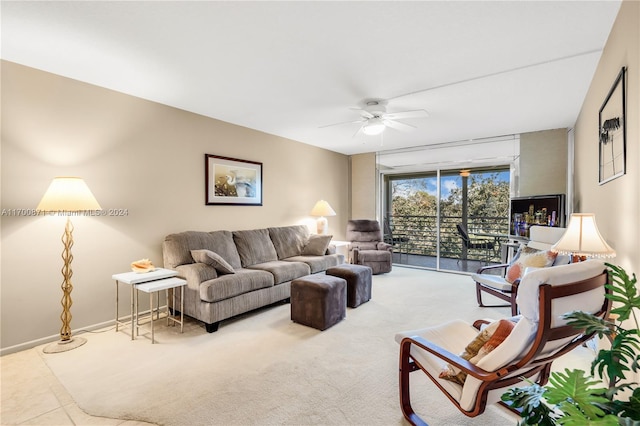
<point x="582" y="239"/>
<point x="65" y="196"/>
<point x="322" y="209"/>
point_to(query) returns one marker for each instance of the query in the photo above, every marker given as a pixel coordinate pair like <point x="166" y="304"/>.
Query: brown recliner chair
<point x="367" y="246"/>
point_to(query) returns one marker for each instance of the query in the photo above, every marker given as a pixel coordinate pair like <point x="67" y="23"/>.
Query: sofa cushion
<point x="289" y="240"/>
<point x="214" y="259"/>
<point x="221" y="242"/>
<point x="283" y="271"/>
<point x="316" y="245"/>
<point x="196" y="273"/>
<point x="318" y="263"/>
<point x="176" y="248"/>
<point x="254" y="246"/>
<point x="226" y="286"/>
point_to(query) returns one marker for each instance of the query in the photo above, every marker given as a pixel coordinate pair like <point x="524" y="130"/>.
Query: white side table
<point x="154" y="287"/>
<point x="342" y="247"/>
<point x="132" y="279"/>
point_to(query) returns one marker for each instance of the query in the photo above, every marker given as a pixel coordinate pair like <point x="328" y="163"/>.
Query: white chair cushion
<point x="522" y="336"/>
<point x="528" y="290"/>
<point x="541" y="238"/>
<point x="513" y="347"/>
<point x="562" y="259"/>
<point x="493" y="281"/>
<point x="545" y="235"/>
<point x="538" y="245"/>
<point x="453" y="336"/>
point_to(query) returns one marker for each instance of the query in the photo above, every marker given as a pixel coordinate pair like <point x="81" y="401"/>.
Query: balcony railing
<point x="421" y="235"/>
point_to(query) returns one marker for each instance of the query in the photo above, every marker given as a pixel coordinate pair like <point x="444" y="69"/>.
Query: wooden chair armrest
<point x="479" y="323"/>
<point x="492" y="267"/>
<point x="451" y="358"/>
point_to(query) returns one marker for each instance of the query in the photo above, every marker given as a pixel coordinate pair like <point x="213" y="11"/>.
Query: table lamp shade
<point x="322" y="209"/>
<point x="68" y="194"/>
<point x="582" y="238"/>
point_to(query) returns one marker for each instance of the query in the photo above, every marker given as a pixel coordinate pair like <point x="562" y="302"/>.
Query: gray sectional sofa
<point x="232" y="272"/>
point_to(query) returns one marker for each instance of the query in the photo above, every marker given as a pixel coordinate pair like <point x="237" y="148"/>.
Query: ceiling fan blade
<point x="418" y="113"/>
<point x="396" y="125"/>
<point x="344" y="122"/>
<point x="357" y="131"/>
<point x="363" y="112"/>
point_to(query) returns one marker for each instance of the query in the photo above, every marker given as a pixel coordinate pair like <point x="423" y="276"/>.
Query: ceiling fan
<point x="375" y="118"/>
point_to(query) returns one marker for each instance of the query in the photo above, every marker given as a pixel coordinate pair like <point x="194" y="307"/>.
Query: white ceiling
<point x="480" y="68"/>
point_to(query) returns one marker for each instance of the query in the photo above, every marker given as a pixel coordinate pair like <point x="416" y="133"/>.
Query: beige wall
<point x="136" y="155"/>
<point x="543" y="163"/>
<point x="616" y="203"/>
<point x="364" y="191"/>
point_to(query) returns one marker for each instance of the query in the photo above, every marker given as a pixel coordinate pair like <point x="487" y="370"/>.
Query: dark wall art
<point x="612" y="132"/>
<point x="231" y="181"/>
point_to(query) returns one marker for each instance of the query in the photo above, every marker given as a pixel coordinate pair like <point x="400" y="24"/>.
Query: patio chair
<point x="529" y="346"/>
<point x="486" y="246"/>
<point x="400" y="241"/>
<point x="505" y="288"/>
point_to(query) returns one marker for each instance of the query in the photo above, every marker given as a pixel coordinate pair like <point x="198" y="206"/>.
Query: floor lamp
<point x="582" y="239"/>
<point x="67" y="196"/>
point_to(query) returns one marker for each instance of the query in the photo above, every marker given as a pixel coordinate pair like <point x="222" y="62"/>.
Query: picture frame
<point x="612" y="135"/>
<point x="231" y="181"/>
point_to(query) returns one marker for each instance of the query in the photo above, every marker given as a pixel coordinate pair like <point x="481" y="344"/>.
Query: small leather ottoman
<point x="358" y="279"/>
<point x="318" y="301"/>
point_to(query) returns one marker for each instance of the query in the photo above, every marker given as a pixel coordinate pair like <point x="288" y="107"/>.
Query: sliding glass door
<point x="448" y="219"/>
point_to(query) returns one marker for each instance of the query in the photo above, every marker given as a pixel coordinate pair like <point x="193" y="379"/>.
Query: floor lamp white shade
<point x="68" y="194"/>
<point x="64" y="196"/>
<point x="582" y="238"/>
<point x="322" y="209"/>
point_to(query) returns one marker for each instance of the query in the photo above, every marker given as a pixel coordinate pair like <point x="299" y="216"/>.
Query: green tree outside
<point x="414" y="209"/>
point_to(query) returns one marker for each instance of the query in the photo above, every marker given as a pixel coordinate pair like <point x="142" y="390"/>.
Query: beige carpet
<point x="263" y="369"/>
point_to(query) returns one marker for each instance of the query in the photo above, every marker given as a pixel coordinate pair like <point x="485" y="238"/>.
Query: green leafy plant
<point x="572" y="397"/>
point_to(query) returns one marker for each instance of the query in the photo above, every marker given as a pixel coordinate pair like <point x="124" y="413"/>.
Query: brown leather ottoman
<point x="318" y="301"/>
<point x="358" y="279"/>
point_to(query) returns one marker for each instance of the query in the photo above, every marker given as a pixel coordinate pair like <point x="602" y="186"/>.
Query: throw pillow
<point x="254" y="246"/>
<point x="317" y="245"/>
<point x="289" y="240"/>
<point x="486" y="341"/>
<point x="213" y="259"/>
<point x="529" y="257"/>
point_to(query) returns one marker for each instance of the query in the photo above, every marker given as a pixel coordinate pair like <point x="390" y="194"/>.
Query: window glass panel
<point x="424" y="210"/>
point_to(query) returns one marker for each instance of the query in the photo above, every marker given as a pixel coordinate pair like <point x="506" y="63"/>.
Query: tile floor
<point x="31" y="395"/>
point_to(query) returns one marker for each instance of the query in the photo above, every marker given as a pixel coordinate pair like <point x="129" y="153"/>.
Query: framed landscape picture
<point x="612" y="139"/>
<point x="231" y="181"/>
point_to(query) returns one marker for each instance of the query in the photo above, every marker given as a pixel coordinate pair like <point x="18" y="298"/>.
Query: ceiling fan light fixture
<point x="374" y="126"/>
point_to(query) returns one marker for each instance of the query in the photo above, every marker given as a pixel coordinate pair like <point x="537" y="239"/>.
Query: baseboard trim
<point x="90" y="328"/>
<point x="52" y="338"/>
